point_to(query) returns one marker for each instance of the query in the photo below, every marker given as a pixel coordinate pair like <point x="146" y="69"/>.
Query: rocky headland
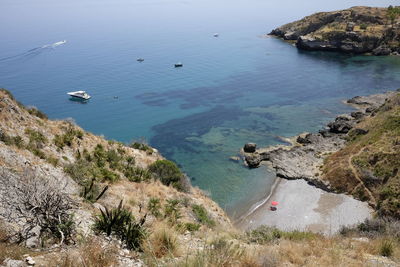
<point x="355" y="30"/>
<point x="315" y="157"/>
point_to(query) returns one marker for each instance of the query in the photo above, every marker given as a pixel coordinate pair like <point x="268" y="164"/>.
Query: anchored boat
<point x="178" y="65"/>
<point x="79" y="94"/>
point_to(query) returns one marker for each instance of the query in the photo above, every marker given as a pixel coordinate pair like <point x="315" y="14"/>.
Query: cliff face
<point x="355" y="30"/>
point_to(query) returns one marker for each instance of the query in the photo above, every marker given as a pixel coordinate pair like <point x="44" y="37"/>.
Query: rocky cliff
<point x="355" y="30"/>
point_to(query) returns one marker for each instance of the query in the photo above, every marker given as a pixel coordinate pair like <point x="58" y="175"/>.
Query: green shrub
<point x="168" y="173"/>
<point x="82" y="171"/>
<point x="18" y="141"/>
<point x="136" y="174"/>
<point x="192" y="227"/>
<point x="172" y="210"/>
<point x="154" y="207"/>
<point x="120" y="222"/>
<point x="141" y="146"/>
<point x="12" y="140"/>
<point x="263" y="235"/>
<point x="386" y="248"/>
<point x="114" y="159"/>
<point x="67" y="138"/>
<point x="100" y="155"/>
<point x="36" y="139"/>
<point x="363" y="26"/>
<point x="109" y="175"/>
<point x="130" y="160"/>
<point x="202" y="216"/>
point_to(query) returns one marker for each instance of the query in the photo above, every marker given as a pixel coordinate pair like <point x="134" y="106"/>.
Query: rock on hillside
<point x="355" y="30"/>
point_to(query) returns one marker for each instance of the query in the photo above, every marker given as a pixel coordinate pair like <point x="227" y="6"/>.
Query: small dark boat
<point x="140" y="59"/>
<point x="178" y="65"/>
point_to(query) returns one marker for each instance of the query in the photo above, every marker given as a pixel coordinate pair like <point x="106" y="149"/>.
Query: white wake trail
<point x="34" y="51"/>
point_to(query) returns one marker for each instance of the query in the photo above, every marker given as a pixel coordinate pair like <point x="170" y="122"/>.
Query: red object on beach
<point x="274" y="203"/>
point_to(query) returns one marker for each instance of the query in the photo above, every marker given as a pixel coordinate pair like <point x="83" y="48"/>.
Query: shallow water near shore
<point x="237" y="88"/>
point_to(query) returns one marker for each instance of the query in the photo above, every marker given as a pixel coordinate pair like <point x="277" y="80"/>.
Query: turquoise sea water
<point x="233" y="89"/>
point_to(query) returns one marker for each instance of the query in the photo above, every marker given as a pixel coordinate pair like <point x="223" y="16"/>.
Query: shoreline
<point x="258" y="204"/>
<point x="296" y="169"/>
<point x="306" y="208"/>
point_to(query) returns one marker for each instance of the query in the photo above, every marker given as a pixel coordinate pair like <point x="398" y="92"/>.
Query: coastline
<point x="316" y="208"/>
<point x="306" y="208"/>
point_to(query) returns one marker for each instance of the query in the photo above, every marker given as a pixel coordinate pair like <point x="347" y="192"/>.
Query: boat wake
<point x="34" y="51"/>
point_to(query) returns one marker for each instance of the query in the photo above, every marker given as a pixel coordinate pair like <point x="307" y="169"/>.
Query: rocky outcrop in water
<point x="355" y="30"/>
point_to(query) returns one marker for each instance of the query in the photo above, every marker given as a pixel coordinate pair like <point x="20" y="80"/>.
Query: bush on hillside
<point x="154" y="207"/>
<point x="141" y="146"/>
<point x="202" y="215"/>
<point x="67" y="138"/>
<point x="169" y="174"/>
<point x="172" y="210"/>
<point x="36" y="139"/>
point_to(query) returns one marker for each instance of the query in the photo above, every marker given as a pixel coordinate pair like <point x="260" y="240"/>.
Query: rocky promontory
<point x="304" y="158"/>
<point x="355" y="30"/>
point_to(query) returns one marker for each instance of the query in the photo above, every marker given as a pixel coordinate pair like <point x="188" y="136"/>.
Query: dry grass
<point x="162" y="243"/>
<point x="91" y="254"/>
<point x="9" y="250"/>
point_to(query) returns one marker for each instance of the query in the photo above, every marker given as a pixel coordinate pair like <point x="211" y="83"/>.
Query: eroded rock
<point x="250" y="147"/>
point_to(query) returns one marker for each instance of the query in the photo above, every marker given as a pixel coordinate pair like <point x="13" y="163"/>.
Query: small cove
<point x="233" y="89"/>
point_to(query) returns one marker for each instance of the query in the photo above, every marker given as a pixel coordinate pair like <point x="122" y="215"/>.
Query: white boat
<point x="79" y="94"/>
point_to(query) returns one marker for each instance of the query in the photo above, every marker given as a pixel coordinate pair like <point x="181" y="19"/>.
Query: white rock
<point x="13" y="263"/>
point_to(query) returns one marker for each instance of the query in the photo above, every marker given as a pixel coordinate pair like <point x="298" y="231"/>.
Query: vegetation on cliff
<point x="354" y="30"/>
<point x="368" y="167"/>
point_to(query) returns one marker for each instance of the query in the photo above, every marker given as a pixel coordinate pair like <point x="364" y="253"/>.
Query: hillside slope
<point x="60" y="205"/>
<point x="369" y="164"/>
<point x="353" y="30"/>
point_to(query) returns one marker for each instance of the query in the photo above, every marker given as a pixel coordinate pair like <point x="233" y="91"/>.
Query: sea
<point x="239" y="87"/>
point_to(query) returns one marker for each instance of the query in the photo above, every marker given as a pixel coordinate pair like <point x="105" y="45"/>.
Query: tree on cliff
<point x="392" y="14"/>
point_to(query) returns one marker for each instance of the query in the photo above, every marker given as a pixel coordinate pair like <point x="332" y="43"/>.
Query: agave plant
<point x="120" y="222"/>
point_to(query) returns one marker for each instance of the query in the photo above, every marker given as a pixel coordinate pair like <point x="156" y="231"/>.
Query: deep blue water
<point x="236" y="88"/>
